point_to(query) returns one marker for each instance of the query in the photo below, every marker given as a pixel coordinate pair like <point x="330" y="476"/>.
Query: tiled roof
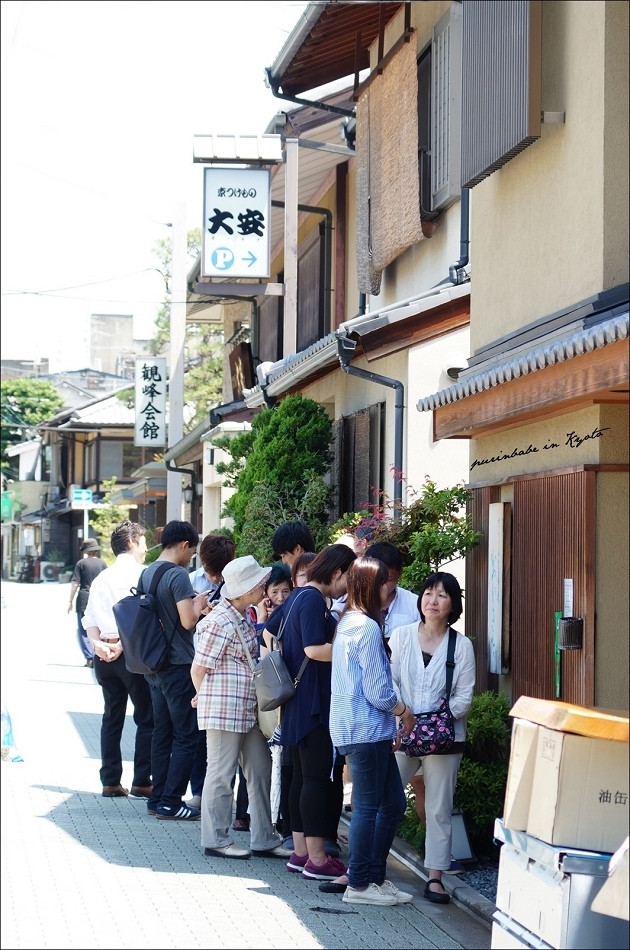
<point x="536" y="358"/>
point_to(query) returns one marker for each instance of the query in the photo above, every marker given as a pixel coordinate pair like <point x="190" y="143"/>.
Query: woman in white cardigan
<point x="419" y="674"/>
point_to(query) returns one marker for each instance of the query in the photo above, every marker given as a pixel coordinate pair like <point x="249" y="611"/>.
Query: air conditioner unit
<point x="49" y="571"/>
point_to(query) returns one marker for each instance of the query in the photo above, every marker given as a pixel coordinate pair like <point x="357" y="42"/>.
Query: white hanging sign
<point x="150" y="401"/>
<point x="236" y="222"/>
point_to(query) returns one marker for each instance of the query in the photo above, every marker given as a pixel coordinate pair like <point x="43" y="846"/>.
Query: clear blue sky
<point x="100" y="102"/>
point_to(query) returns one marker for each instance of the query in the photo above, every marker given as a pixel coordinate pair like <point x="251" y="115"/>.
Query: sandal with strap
<point x="434" y="896"/>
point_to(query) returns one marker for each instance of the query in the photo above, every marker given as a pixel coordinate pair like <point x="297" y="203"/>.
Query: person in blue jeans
<point x="363" y="708"/>
<point x="175" y="731"/>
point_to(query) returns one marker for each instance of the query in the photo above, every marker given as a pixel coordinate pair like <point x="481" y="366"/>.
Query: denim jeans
<point x="175" y="734"/>
<point x="378" y="804"/>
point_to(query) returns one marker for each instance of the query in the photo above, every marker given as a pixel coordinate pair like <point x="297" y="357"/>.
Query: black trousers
<point x="315" y="801"/>
<point x="119" y="685"/>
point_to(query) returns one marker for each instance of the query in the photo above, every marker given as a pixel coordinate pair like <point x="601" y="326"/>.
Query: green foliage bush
<point x="278" y="470"/>
<point x="430" y="531"/>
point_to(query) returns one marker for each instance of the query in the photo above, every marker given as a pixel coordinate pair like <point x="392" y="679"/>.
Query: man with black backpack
<point x="175" y="730"/>
<point x="129" y="544"/>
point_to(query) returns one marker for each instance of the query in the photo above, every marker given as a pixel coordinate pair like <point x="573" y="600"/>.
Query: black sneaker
<point x="178" y="813"/>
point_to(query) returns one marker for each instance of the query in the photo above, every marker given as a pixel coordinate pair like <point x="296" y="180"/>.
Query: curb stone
<point x="463" y="895"/>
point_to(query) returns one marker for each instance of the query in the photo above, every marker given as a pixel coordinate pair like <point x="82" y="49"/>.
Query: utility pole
<point x="176" y="358"/>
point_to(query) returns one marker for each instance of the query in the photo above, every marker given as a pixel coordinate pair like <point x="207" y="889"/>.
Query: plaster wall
<point x="446" y="461"/>
<point x="540" y="238"/>
<point x="591" y="436"/>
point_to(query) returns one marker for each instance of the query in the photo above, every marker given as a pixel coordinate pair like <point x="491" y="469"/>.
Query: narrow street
<point x="81" y="871"/>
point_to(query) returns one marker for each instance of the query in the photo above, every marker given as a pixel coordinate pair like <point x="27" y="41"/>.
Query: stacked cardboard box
<point x="566" y="812"/>
<point x="568" y="775"/>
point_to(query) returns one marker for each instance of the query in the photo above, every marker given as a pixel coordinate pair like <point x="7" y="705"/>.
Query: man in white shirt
<point x="402" y="605"/>
<point x="118" y="684"/>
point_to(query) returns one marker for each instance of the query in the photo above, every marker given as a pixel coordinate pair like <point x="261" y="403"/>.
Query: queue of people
<point x="375" y="655"/>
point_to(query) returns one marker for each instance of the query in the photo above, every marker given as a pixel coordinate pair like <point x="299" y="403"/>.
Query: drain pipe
<point x="456" y="271"/>
<point x="170" y="464"/>
<point x="345" y="350"/>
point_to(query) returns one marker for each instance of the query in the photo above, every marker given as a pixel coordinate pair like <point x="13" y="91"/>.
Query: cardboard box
<point x="535" y="897"/>
<point x="520" y="780"/>
<point x="592" y="721"/>
<point x="579" y="795"/>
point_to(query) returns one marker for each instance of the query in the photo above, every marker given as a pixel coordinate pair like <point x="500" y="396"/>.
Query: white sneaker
<point x="402" y="897"/>
<point x="194" y="802"/>
<point x="371" y="895"/>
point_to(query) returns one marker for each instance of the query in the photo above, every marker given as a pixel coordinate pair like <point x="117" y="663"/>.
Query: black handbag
<point x="434" y="732"/>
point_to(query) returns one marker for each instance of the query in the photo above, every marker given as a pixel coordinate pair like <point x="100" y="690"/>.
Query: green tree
<point x="24" y="403"/>
<point x="105" y="518"/>
<point x="431" y="530"/>
<point x="278" y="470"/>
<point x="203" y="363"/>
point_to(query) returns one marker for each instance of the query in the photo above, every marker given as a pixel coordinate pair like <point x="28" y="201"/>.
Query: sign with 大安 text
<point x="236" y="222"/>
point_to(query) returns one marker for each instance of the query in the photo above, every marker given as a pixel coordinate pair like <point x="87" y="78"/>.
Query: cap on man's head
<point x="90" y="545"/>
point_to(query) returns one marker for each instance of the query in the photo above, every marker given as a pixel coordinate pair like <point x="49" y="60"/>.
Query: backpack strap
<point x="450" y="661"/>
<point x="160" y="570"/>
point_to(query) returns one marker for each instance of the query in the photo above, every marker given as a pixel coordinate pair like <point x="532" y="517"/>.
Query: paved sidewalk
<point x="81" y="871"/>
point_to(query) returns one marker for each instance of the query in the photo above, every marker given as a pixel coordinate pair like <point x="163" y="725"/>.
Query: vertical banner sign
<point x="236" y="222"/>
<point x="150" y="401"/>
<point x="495" y="586"/>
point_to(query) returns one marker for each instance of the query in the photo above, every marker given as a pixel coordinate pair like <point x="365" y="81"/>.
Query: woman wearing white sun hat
<point x="227" y="710"/>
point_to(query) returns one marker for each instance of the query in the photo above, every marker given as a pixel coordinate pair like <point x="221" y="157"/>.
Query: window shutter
<point x="310" y="322"/>
<point x="269" y="335"/>
<point x="446" y="93"/>
<point x="501" y="83"/>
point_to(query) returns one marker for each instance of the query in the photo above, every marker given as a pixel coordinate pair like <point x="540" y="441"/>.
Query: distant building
<point x="113" y="348"/>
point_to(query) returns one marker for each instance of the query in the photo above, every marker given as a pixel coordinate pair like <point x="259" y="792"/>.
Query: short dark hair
<point x="280" y="574"/>
<point x="123" y="534"/>
<point x="335" y="557"/>
<point x="287" y="537"/>
<point x="452" y="588"/>
<point x="175" y="532"/>
<point x="215" y="552"/>
<point x="301" y="562"/>
<point x="388" y="553"/>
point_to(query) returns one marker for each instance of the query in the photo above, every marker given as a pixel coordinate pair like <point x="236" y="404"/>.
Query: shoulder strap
<point x="450" y="661"/>
<point x="286" y="616"/>
<point x="278" y="637"/>
<point x="160" y="570"/>
<point x="250" y="661"/>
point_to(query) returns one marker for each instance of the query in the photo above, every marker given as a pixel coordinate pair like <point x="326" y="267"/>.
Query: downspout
<point x="272" y="83"/>
<point x="327" y="214"/>
<point x="456" y="271"/>
<point x="345" y="350"/>
<point x="186" y="471"/>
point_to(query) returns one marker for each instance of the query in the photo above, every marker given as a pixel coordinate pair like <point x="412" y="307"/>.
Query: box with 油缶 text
<point x="579" y="791"/>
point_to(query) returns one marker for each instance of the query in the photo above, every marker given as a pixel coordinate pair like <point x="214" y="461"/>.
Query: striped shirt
<point x="227" y="698"/>
<point x="362" y="692"/>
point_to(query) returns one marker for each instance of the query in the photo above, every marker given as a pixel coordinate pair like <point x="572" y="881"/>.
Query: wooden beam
<point x="594" y="378"/>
